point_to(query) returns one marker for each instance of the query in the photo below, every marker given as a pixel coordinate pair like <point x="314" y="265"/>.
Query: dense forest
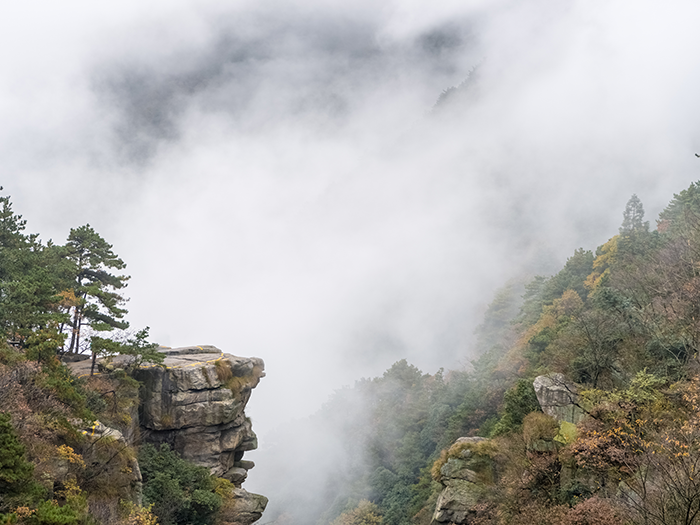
<point x="621" y="322"/>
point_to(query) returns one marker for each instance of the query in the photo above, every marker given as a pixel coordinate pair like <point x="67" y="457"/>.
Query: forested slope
<point x="622" y="322"/>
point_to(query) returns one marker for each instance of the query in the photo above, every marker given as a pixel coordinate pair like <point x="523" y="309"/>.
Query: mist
<point x="282" y="182"/>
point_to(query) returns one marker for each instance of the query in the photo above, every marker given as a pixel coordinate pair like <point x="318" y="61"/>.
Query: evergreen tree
<point x="533" y="300"/>
<point x="137" y="347"/>
<point x="633" y="217"/>
<point x="572" y="277"/>
<point x="11" y="236"/>
<point x="13" y="244"/>
<point x="683" y="212"/>
<point x="31" y="277"/>
<point x="491" y="333"/>
<point x="181" y="493"/>
<point x="16" y="482"/>
<point x="98" y="302"/>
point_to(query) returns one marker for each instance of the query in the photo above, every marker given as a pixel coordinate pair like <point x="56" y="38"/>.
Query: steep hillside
<point x="616" y="329"/>
<point x="111" y="449"/>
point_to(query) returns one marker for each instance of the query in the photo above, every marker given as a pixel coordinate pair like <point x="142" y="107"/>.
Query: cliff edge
<point x="196" y="404"/>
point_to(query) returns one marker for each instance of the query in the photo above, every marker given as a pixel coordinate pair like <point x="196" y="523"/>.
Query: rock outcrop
<point x="121" y="476"/>
<point x="464" y="475"/>
<point x="196" y="404"/>
<point x="244" y="509"/>
<point x="467" y="470"/>
<point x="558" y="398"/>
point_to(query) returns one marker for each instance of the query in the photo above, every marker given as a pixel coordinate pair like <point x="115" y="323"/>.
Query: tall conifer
<point x="99" y="304"/>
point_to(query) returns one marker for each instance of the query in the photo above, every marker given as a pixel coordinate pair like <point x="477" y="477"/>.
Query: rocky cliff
<point x="558" y="398"/>
<point x="196" y="403"/>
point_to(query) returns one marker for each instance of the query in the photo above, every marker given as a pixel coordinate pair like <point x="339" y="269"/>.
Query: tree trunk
<point x="74" y="331"/>
<point x="77" y="334"/>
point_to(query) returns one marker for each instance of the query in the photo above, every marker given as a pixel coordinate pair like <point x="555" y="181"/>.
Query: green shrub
<point x="224" y="488"/>
<point x="10" y="356"/>
<point x="480" y="455"/>
<point x="180" y="492"/>
<point x="50" y="513"/>
<point x="8" y="519"/>
<point x="17" y="485"/>
<point x="67" y="388"/>
<point x="539" y="427"/>
<point x="518" y="402"/>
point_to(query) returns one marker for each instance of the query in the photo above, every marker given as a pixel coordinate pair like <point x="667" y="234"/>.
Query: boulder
<point x="558" y="397"/>
<point x="97" y="430"/>
<point x="457" y="469"/>
<point x="237" y="475"/>
<point x="243" y="509"/>
<point x="455" y="502"/>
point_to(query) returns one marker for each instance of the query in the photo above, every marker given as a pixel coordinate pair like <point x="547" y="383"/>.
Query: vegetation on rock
<point x="52" y="471"/>
<point x="180" y="493"/>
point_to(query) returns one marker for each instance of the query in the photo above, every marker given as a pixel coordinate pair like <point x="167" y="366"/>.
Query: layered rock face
<point x="464" y="477"/>
<point x="196" y="404"/>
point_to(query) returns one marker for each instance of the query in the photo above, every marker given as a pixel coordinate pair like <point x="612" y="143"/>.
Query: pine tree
<point x="31" y="276"/>
<point x="99" y="304"/>
<point x="633" y="217"/>
<point x="15" y="471"/>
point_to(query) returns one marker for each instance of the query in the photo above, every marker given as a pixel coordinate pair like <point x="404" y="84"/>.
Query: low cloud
<point x="277" y="180"/>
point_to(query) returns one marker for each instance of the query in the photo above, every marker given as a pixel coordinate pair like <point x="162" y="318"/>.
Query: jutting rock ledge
<point x="196" y="404"/>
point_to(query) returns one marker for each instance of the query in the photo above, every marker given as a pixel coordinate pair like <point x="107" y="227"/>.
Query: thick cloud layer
<point x="280" y="185"/>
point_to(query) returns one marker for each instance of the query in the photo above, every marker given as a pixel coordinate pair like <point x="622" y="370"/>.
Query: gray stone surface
<point x="471" y="439"/>
<point x="196" y="404"/>
<point x="455" y="502"/>
<point x="465" y="476"/>
<point x="456" y="469"/>
<point x="558" y="397"/>
<point x="244" y="509"/>
<point x="190" y="350"/>
<point x="237" y="475"/>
